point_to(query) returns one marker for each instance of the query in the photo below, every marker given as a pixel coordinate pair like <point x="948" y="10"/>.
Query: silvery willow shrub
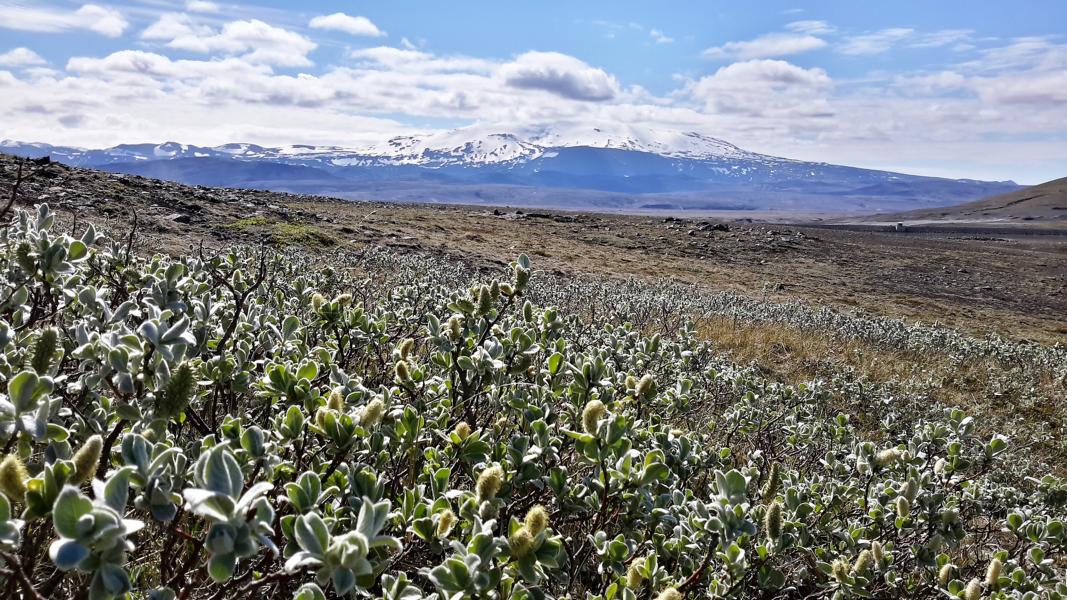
<point x="404" y="427"/>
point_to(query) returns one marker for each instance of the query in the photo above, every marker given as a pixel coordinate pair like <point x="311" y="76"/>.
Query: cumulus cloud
<point x="21" y="57"/>
<point x="358" y="26"/>
<point x="766" y="46"/>
<point x="874" y="43"/>
<point x="765" y="87"/>
<point x="90" y="17"/>
<point x="561" y="75"/>
<point x="253" y="40"/>
<point x="232" y="91"/>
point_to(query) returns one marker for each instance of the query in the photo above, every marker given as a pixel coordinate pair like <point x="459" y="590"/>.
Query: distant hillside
<point x="1042" y="203"/>
<point x="212" y="172"/>
<point x="581" y="167"/>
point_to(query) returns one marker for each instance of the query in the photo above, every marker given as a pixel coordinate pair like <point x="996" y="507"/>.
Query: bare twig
<point x="14" y="190"/>
<point x="20" y="574"/>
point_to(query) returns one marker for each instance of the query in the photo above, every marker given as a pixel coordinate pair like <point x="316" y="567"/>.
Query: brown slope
<point x="1045" y="203"/>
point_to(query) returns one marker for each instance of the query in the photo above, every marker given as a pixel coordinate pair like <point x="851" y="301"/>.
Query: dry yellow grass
<point x="979" y="387"/>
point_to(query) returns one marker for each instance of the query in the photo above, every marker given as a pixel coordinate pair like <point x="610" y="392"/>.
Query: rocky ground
<point x="1015" y="285"/>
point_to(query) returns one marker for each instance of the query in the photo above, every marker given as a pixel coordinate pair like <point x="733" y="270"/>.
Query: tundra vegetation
<point x="399" y="426"/>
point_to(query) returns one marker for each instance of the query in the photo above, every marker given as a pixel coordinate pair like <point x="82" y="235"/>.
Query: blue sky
<point x="965" y="89"/>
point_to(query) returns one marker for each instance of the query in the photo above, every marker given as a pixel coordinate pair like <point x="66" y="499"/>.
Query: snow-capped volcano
<point x="622" y="136"/>
<point x="469" y="145"/>
<point x="475" y="145"/>
<point x="482" y="144"/>
<point x="569" y="164"/>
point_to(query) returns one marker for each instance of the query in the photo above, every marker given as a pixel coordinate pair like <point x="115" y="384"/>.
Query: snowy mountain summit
<point x="488" y="144"/>
<point x="566" y="164"/>
<point x="472" y="146"/>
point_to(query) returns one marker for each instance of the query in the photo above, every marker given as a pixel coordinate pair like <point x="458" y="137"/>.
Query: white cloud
<point x="253" y="40"/>
<point x="659" y="37"/>
<point x="150" y="64"/>
<point x="90" y="17"/>
<point x="358" y="26"/>
<point x="811" y="26"/>
<point x="1020" y="54"/>
<point x="171" y="26"/>
<point x="944" y="37"/>
<point x="1011" y="93"/>
<point x="202" y="6"/>
<point x="409" y="60"/>
<point x="1029" y="89"/>
<point x="21" y="57"/>
<point x="874" y="43"/>
<point x="766" y="46"/>
<point x="930" y="83"/>
<point x="773" y="88"/>
<point x="561" y="75"/>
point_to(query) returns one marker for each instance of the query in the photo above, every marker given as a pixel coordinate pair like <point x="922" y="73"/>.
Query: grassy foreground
<point x="398" y="426"/>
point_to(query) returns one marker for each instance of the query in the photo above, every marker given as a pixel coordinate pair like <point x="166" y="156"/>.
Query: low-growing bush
<point x="219" y="426"/>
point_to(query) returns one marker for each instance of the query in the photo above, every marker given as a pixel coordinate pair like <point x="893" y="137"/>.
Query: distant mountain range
<point x="579" y="166"/>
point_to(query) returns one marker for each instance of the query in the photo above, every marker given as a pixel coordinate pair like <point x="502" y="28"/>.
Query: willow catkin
<point x="462" y="430"/>
<point x="774" y="479"/>
<point x="445" y="522"/>
<point x="911" y="490"/>
<point x="945" y="574"/>
<point x="634" y="578"/>
<point x="840" y="569"/>
<point x="521" y="276"/>
<point x="772" y="522"/>
<point x="13" y="477"/>
<point x="44" y="350"/>
<point x="878" y="553"/>
<point x="992" y="574"/>
<point x="646" y="387"/>
<point x="372" y="413"/>
<point x="489" y="483"/>
<point x="485" y="300"/>
<point x="86" y="460"/>
<point x="521" y="542"/>
<point x="669" y="594"/>
<point x="886" y="457"/>
<point x="864" y="562"/>
<point x="903" y="507"/>
<point x="536" y="519"/>
<point x="177" y="393"/>
<point x="591" y="414"/>
<point x="335" y="401"/>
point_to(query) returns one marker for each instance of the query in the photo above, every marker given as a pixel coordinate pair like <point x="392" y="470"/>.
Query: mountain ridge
<point x="695" y="169"/>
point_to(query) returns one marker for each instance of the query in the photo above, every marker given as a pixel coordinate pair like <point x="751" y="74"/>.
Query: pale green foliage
<point x="426" y="431"/>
